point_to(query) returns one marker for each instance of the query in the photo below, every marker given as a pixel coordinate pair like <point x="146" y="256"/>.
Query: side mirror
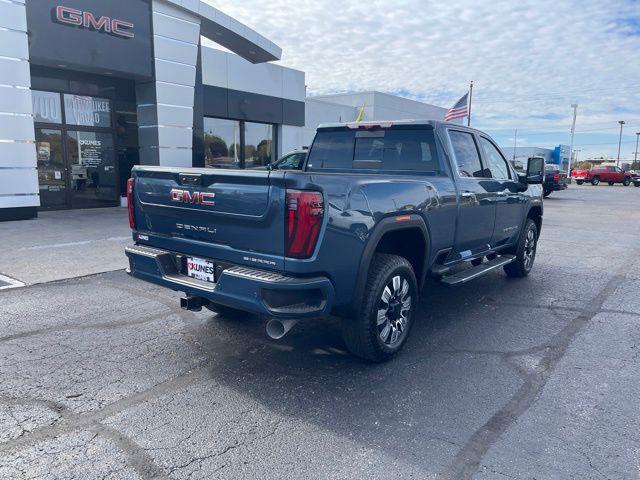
<point x="535" y="171"/>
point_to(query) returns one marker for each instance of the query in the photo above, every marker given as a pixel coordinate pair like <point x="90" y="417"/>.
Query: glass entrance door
<point x="52" y="169"/>
<point x="91" y="169"/>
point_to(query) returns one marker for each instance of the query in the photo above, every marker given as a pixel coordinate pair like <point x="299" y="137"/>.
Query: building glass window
<point x="87" y="111"/>
<point x="221" y="143"/>
<point x="46" y="107"/>
<point x="258" y="144"/>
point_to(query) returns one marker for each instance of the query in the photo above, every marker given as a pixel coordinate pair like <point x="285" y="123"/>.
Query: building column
<point x="165" y="105"/>
<point x="19" y="197"/>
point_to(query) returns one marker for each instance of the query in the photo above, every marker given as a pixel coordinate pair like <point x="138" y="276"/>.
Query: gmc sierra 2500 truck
<point x="375" y="210"/>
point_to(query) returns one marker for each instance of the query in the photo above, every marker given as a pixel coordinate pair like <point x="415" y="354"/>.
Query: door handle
<point x="467" y="195"/>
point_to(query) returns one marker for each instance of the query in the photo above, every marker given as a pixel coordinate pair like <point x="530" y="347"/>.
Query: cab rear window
<point x="390" y="149"/>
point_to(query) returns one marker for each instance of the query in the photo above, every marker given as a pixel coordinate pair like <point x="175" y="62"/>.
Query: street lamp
<point x="575" y="157"/>
<point x="621" y="122"/>
<point x="635" y="157"/>
<point x="573" y="130"/>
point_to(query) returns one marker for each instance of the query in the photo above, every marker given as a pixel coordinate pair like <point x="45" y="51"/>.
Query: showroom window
<point x="221" y="143"/>
<point x="238" y="144"/>
<point x="258" y="144"/>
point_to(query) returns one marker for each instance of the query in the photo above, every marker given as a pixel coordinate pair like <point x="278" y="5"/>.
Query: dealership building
<point x="90" y="88"/>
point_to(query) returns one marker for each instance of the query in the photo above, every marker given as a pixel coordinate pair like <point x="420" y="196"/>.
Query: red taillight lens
<point x="132" y="218"/>
<point x="556" y="177"/>
<point x="304" y="218"/>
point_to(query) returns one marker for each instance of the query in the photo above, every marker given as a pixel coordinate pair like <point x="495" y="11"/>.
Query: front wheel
<point x="525" y="252"/>
<point x="546" y="193"/>
<point x="579" y="182"/>
<point x="626" y="182"/>
<point x="383" y="321"/>
<point x="595" y="181"/>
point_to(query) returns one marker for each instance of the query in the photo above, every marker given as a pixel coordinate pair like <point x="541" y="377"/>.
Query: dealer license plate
<point x="200" y="269"/>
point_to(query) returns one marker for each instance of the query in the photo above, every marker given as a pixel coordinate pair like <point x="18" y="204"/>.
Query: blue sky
<point x="530" y="60"/>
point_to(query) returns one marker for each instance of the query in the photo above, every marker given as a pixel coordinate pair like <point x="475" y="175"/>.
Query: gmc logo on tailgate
<point x="197" y="198"/>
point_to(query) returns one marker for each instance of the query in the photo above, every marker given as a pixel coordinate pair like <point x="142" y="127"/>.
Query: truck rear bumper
<point x="258" y="291"/>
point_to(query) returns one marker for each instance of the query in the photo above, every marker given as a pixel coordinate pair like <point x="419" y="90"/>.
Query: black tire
<point x="367" y="337"/>
<point x="523" y="263"/>
<point x="546" y="193"/>
<point x="637" y="184"/>
<point x="227" y="312"/>
<point x="595" y="181"/>
<point x="476" y="261"/>
<point x="626" y="182"/>
<point x="579" y="182"/>
<point x="611" y="184"/>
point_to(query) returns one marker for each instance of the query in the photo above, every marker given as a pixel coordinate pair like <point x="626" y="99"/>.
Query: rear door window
<point x="466" y="153"/>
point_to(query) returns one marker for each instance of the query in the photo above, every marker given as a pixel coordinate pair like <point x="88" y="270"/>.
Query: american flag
<point x="459" y="110"/>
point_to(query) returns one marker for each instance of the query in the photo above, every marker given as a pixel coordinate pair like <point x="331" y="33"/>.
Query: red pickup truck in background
<point x="609" y="174"/>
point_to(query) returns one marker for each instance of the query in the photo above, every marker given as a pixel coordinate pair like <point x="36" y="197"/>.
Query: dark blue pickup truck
<point x="375" y="210"/>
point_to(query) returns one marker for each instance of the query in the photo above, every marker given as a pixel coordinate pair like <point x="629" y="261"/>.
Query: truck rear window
<point x="391" y="149"/>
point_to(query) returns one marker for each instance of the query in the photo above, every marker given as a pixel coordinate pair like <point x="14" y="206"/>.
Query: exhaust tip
<point x="277" y="329"/>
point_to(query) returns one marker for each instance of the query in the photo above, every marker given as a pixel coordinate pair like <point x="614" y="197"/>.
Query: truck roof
<point x="387" y="123"/>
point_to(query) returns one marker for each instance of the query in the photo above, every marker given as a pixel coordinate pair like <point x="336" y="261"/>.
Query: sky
<point x="529" y="60"/>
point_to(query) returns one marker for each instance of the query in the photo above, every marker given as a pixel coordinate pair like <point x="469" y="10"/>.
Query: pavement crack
<point x="137" y="457"/>
<point x="88" y="326"/>
<point x="467" y="461"/>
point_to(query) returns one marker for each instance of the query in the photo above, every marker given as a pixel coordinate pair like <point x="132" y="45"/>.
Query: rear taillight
<point x="556" y="177"/>
<point x="304" y="212"/>
<point x="132" y="218"/>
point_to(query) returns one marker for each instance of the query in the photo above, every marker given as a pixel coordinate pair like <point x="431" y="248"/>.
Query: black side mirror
<point x="535" y="171"/>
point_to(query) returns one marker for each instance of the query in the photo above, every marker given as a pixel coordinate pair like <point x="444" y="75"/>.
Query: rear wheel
<point x="546" y="193"/>
<point x="525" y="252"/>
<point x="382" y="324"/>
<point x="579" y="182"/>
<point x="595" y="181"/>
<point x="610" y="183"/>
<point x="626" y="182"/>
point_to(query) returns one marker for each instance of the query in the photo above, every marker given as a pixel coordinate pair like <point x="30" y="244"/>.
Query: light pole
<point x="635" y="157"/>
<point x="575" y="158"/>
<point x="573" y="130"/>
<point x="621" y="122"/>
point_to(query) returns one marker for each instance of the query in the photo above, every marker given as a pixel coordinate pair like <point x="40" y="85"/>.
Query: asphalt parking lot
<point x="104" y="377"/>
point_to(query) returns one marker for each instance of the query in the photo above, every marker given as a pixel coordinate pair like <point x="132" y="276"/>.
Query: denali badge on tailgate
<point x="198" y="198"/>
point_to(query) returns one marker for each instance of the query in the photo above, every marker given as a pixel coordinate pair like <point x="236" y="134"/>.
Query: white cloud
<point x="529" y="59"/>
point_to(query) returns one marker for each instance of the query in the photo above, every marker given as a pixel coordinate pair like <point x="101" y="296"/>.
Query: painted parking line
<point x="8" y="282"/>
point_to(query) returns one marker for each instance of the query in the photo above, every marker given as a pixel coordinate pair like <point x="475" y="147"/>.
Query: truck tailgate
<point x="223" y="214"/>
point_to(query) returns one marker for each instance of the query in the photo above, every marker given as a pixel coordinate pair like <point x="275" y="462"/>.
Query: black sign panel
<point x="112" y="37"/>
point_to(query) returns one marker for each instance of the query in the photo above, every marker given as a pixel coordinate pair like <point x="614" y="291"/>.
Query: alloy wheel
<point x="394" y="308"/>
<point x="529" y="249"/>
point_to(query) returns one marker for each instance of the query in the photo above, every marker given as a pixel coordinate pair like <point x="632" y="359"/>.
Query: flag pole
<point x="470" y="96"/>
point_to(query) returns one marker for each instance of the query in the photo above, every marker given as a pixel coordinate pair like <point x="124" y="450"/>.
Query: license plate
<point x="200" y="269"/>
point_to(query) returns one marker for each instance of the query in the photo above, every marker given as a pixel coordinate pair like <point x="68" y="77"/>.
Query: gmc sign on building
<point x="111" y="37"/>
<point x="72" y="16"/>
